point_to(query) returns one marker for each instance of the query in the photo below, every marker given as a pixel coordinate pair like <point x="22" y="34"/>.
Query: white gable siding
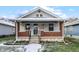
<point x="33" y="15"/>
<point x="6" y="30"/>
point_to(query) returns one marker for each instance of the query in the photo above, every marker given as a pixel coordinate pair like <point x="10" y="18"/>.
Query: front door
<point x="34" y="29"/>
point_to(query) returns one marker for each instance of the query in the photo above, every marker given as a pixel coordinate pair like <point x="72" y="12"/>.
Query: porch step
<point x="34" y="39"/>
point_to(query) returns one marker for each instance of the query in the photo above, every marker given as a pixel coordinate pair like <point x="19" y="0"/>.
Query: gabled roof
<point x="37" y="8"/>
<point x="5" y="22"/>
<point x="72" y="23"/>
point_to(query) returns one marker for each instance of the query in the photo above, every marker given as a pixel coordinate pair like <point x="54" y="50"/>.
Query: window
<point x="27" y="26"/>
<point x="37" y="15"/>
<point x="51" y="27"/>
<point x="41" y="15"/>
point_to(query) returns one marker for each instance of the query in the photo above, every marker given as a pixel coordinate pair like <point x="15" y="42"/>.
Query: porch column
<point x="17" y="29"/>
<point x="62" y="28"/>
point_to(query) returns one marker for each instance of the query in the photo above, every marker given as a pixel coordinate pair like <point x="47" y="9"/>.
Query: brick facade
<point x="23" y="34"/>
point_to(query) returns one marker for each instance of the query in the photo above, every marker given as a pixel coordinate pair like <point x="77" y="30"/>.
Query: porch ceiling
<point x="39" y="21"/>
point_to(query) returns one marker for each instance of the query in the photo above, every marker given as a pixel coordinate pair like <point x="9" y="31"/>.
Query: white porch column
<point x="63" y="30"/>
<point x="16" y="32"/>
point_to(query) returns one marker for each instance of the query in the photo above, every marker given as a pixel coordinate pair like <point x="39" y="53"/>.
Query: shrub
<point x="17" y="43"/>
<point x="2" y="36"/>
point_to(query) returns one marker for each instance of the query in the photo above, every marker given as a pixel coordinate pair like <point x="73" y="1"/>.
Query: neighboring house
<point x="72" y="27"/>
<point x="6" y="27"/>
<point x="39" y="25"/>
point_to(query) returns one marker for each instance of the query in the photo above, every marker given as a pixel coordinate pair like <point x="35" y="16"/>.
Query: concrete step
<point x="34" y="42"/>
<point x="34" y="39"/>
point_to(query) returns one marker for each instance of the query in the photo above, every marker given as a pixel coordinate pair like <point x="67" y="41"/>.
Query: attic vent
<point x="37" y="15"/>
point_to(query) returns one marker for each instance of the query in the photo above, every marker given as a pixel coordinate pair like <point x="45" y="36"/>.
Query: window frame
<point x="39" y="15"/>
<point x="51" y="27"/>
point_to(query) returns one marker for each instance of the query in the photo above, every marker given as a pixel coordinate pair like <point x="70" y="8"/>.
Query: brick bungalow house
<point x="39" y="25"/>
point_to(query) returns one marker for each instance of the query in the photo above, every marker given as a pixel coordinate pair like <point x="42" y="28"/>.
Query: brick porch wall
<point x="51" y="33"/>
<point x="23" y="34"/>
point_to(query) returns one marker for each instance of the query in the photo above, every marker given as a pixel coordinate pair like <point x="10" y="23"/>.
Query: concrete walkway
<point x="32" y="47"/>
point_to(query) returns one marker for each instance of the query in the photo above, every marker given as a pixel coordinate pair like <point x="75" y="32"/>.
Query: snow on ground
<point x="20" y="48"/>
<point x="32" y="47"/>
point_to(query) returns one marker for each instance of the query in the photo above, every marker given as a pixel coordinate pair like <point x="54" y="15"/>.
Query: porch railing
<point x="29" y="35"/>
<point x="39" y="38"/>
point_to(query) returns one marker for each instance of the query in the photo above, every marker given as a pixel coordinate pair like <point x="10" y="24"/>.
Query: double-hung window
<point x="51" y="27"/>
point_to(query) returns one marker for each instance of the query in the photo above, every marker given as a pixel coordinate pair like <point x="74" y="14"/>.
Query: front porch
<point x="39" y="31"/>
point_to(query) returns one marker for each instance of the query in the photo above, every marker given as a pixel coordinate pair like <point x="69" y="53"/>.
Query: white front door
<point x="34" y="29"/>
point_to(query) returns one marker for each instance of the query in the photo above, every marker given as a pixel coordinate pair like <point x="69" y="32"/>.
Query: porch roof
<point x="39" y="19"/>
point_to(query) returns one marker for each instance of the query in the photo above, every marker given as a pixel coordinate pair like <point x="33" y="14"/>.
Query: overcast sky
<point x="63" y="11"/>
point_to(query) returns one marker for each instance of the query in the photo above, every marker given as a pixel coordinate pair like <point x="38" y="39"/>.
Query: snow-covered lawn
<point x="32" y="47"/>
<point x="20" y="48"/>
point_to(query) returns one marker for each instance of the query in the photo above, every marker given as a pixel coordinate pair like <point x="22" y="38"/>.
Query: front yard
<point x="61" y="47"/>
<point x="70" y="44"/>
<point x="8" y="40"/>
